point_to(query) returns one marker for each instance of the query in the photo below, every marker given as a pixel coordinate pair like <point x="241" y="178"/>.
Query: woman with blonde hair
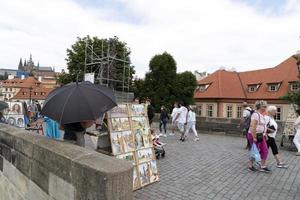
<point x="271" y="134"/>
<point x="257" y="135"/>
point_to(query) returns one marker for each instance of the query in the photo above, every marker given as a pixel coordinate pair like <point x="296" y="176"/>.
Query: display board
<point x="14" y="114"/>
<point x="131" y="140"/>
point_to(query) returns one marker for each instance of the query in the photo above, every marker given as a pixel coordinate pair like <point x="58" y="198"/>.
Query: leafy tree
<point x="294" y="97"/>
<point x="102" y="47"/>
<point x="186" y="84"/>
<point x="163" y="85"/>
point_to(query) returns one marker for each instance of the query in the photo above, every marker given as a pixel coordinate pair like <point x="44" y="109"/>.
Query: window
<point x="253" y="88"/>
<point x="203" y="87"/>
<point x="209" y="110"/>
<point x="24" y="93"/>
<point x="10" y="89"/>
<point x="199" y="110"/>
<point x="239" y="112"/>
<point x="278" y="114"/>
<point x="6" y="89"/>
<point x="229" y="111"/>
<point x="274" y="87"/>
<point x="294" y="87"/>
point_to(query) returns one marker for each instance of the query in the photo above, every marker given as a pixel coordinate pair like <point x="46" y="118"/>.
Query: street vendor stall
<point x="130" y="139"/>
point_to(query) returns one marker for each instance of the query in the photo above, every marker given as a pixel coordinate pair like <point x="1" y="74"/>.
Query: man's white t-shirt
<point x="174" y="112"/>
<point x="191" y="116"/>
<point x="261" y="122"/>
<point x="182" y="115"/>
<point x="271" y="121"/>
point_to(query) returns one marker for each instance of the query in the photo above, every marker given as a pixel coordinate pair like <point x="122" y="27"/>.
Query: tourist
<point x="74" y="132"/>
<point x="164" y="117"/>
<point x="245" y="123"/>
<point x="257" y="135"/>
<point x="150" y="111"/>
<point x="2" y="119"/>
<point x="180" y="119"/>
<point x="173" y="115"/>
<point x="191" y="124"/>
<point x="297" y="135"/>
<point x="271" y="134"/>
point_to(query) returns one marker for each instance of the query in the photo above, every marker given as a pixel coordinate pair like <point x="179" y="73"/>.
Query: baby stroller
<point x="158" y="148"/>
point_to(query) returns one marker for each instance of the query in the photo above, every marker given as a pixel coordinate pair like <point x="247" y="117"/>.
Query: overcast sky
<point x="201" y="35"/>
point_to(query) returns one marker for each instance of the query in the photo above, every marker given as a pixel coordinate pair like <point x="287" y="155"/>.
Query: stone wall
<point x="33" y="167"/>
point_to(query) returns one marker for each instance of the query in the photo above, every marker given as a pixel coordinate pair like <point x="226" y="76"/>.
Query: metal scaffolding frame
<point x="104" y="67"/>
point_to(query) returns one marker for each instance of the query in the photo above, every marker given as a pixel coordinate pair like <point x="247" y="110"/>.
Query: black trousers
<point x="272" y="143"/>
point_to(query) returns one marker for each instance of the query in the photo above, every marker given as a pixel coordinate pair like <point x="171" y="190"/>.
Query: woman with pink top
<point x="297" y="135"/>
<point x="257" y="134"/>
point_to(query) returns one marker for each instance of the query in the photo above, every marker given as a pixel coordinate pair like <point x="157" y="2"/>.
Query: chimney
<point x="22" y="77"/>
<point x="40" y="79"/>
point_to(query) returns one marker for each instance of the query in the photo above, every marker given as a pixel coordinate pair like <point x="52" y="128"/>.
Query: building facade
<point x="223" y="94"/>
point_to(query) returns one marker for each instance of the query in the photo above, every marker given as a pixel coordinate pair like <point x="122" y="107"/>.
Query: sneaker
<point x="196" y="139"/>
<point x="252" y="169"/>
<point x="265" y="169"/>
<point x="171" y="134"/>
<point x="282" y="165"/>
<point x="165" y="135"/>
<point x="298" y="154"/>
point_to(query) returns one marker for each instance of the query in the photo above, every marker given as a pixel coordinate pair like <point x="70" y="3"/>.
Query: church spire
<point x="20" y="67"/>
<point x="25" y="63"/>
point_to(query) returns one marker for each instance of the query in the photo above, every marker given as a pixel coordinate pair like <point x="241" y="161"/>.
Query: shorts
<point x="180" y="127"/>
<point x="272" y="143"/>
<point x="262" y="146"/>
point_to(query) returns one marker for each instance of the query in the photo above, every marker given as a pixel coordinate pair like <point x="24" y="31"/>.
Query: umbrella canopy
<point x="77" y="102"/>
<point x="3" y="105"/>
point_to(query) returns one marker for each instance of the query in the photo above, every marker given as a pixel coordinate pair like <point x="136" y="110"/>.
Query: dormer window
<point x="253" y="88"/>
<point x="273" y="87"/>
<point x="203" y="87"/>
<point x="295" y="87"/>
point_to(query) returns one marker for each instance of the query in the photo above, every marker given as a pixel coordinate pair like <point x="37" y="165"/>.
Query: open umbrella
<point x="77" y="102"/>
<point x="3" y="105"/>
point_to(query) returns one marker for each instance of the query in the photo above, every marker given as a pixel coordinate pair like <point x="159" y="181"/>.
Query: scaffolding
<point x="104" y="66"/>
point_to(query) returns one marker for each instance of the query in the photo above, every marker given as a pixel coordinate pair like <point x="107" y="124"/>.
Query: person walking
<point x="297" y="135"/>
<point x="245" y="123"/>
<point x="271" y="134"/>
<point x="164" y="117"/>
<point x="150" y="111"/>
<point x="257" y="135"/>
<point x="191" y="124"/>
<point x="180" y="119"/>
<point x="173" y="116"/>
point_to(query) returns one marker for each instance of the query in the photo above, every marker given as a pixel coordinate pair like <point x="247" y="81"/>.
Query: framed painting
<point x="120" y="124"/>
<point x="122" y="142"/>
<point x="145" y="155"/>
<point x="138" y="109"/>
<point x="120" y="111"/>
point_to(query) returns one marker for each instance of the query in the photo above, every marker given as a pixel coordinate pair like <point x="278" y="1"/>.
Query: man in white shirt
<point x="173" y="116"/>
<point x="191" y="124"/>
<point x="181" y="119"/>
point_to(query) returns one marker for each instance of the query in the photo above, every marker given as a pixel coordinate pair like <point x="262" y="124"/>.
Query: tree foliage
<point x="101" y="47"/>
<point x="163" y="85"/>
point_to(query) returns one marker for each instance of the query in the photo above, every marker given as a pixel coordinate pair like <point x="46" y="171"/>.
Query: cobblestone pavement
<point x="215" y="168"/>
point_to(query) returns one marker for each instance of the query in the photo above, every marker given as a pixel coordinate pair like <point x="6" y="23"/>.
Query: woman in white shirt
<point x="297" y="135"/>
<point x="271" y="132"/>
<point x="191" y="124"/>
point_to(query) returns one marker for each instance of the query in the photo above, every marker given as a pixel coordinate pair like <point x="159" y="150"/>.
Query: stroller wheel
<point x="163" y="154"/>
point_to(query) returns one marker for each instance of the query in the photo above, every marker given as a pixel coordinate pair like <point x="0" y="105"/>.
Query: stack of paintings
<point x="14" y="114"/>
<point x="131" y="140"/>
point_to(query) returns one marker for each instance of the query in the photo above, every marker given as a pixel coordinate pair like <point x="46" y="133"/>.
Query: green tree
<point x="101" y="47"/>
<point x="186" y="84"/>
<point x="163" y="85"/>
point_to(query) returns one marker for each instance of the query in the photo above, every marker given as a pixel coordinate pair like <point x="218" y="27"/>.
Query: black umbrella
<point x="3" y="105"/>
<point x="78" y="102"/>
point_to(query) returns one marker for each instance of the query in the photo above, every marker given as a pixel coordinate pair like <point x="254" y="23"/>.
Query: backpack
<point x="247" y="122"/>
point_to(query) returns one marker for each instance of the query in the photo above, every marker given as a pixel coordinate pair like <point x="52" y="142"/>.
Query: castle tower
<point x="20" y="67"/>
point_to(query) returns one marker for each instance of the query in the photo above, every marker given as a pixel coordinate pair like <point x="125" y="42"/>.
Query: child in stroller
<point x="158" y="146"/>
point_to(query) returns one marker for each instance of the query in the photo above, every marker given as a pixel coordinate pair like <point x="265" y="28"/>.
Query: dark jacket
<point x="164" y="116"/>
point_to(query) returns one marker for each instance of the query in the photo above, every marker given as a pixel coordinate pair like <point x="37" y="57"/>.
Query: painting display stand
<point x="131" y="140"/>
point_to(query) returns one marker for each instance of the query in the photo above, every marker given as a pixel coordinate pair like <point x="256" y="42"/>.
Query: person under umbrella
<point x="76" y="106"/>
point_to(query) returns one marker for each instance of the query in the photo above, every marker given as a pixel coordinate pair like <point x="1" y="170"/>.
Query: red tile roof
<point x="37" y="93"/>
<point x="234" y="85"/>
<point x="19" y="83"/>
